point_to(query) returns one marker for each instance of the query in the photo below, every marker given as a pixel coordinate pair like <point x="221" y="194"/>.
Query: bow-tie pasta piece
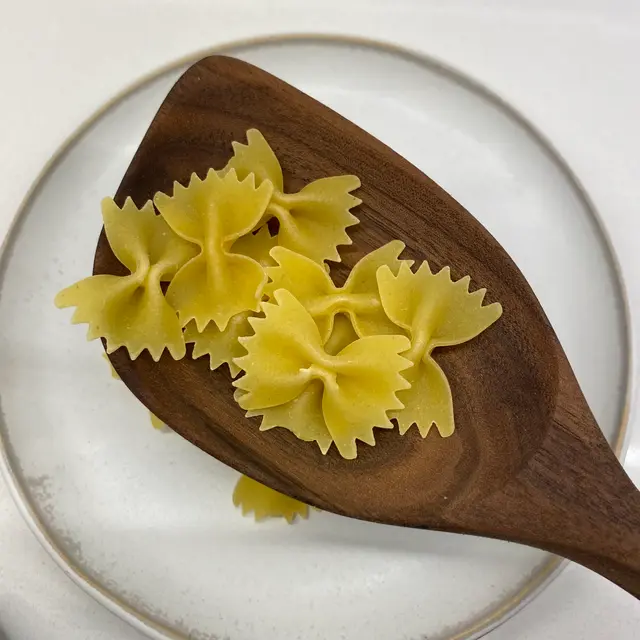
<point x="221" y="346"/>
<point x="313" y="221"/>
<point x="358" y="298"/>
<point x="436" y="312"/>
<point x="213" y="213"/>
<point x="157" y="424"/>
<point x="358" y="385"/>
<point x="365" y="392"/>
<point x="256" y="157"/>
<point x="428" y="401"/>
<point x="114" y="373"/>
<point x="251" y="496"/>
<point x="131" y="311"/>
<point x="303" y="415"/>
<point x="257" y="246"/>
<point x="342" y="334"/>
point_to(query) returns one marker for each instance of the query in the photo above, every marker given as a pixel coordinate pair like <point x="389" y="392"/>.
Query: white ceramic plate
<point x="144" y="521"/>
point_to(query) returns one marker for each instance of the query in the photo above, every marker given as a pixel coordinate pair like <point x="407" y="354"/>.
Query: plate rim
<point x="553" y="566"/>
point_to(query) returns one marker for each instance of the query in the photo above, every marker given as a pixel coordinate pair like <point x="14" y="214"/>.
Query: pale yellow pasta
<point x="131" y="311"/>
<point x="303" y="415"/>
<point x="213" y="213"/>
<point x="114" y="373"/>
<point x="358" y="298"/>
<point x="251" y="496"/>
<point x="428" y="401"/>
<point x="328" y="363"/>
<point x="157" y="424"/>
<point x="313" y="221"/>
<point x="342" y="335"/>
<point x="359" y="384"/>
<point x="221" y="346"/>
<point x="257" y="246"/>
<point x="435" y="312"/>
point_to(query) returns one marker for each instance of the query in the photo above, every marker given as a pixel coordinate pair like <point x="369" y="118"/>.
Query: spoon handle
<point x="588" y="512"/>
<point x="595" y="517"/>
<point x="573" y="498"/>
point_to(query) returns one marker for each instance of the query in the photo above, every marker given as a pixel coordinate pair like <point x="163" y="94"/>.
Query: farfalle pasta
<point x="359" y="384"/>
<point x="263" y="502"/>
<point x="342" y="334"/>
<point x="157" y="424"/>
<point x="312" y="222"/>
<point x="257" y="246"/>
<point x="303" y="415"/>
<point x="436" y="312"/>
<point x="222" y="347"/>
<point x="358" y="298"/>
<point x="112" y="371"/>
<point x="213" y="213"/>
<point x="328" y="363"/>
<point x="131" y="311"/>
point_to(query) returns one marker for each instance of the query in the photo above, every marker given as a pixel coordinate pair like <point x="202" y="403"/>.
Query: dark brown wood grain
<point x="527" y="461"/>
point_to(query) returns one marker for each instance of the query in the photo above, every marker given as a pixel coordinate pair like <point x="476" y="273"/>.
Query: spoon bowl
<point x="527" y="461"/>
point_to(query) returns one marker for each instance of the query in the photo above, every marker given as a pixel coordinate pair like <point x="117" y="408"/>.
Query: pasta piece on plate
<point x="436" y="312"/>
<point x="114" y="373"/>
<point x="358" y="384"/>
<point x="251" y="496"/>
<point x="313" y="221"/>
<point x="157" y="424"/>
<point x="358" y="298"/>
<point x="131" y="311"/>
<point x="213" y="213"/>
<point x="221" y="346"/>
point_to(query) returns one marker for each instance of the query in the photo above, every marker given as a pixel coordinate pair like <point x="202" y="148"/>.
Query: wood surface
<point x="527" y="461"/>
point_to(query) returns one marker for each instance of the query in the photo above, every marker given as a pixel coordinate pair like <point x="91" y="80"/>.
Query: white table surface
<point x="571" y="66"/>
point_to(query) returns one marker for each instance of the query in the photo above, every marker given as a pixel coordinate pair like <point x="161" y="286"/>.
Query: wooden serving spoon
<point x="527" y="461"/>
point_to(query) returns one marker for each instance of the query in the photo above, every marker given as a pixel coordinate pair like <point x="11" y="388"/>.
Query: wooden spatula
<point x="527" y="461"/>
